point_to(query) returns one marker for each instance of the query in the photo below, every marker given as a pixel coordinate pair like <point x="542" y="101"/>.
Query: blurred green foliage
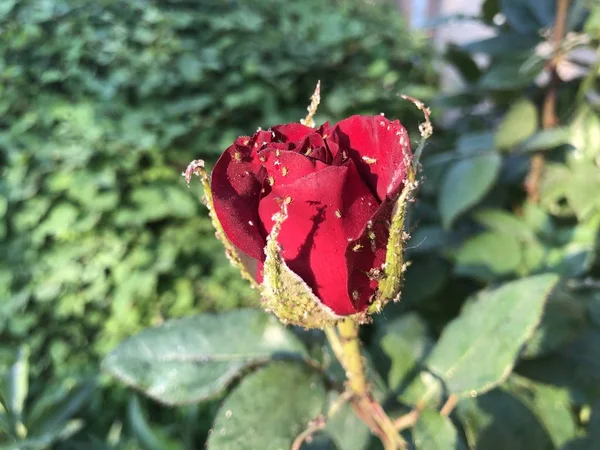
<point x="500" y="308"/>
<point x="102" y="105"/>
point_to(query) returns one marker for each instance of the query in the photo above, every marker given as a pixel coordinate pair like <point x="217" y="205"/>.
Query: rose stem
<point x="345" y="344"/>
<point x="549" y="118"/>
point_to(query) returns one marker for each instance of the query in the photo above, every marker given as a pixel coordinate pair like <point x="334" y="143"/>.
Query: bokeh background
<point x="103" y="103"/>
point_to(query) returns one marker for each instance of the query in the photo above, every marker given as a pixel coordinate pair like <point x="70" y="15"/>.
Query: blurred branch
<point x="407" y="420"/>
<point x="306" y="436"/>
<point x="549" y="117"/>
<point x="449" y="405"/>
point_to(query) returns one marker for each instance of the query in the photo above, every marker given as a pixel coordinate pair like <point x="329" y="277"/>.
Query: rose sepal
<point x="284" y="293"/>
<point x="390" y="284"/>
<point x="197" y="167"/>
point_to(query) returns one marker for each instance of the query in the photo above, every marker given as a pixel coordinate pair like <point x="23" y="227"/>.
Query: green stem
<point x="345" y="344"/>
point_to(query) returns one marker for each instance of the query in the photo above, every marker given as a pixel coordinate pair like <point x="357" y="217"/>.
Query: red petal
<point x="325" y="130"/>
<point x="380" y="149"/>
<point x="290" y="132"/>
<point x="329" y="208"/>
<point x="314" y="146"/>
<point x="236" y="183"/>
<point x="285" y="167"/>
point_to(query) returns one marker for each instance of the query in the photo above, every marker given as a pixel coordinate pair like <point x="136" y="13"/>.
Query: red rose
<point x="342" y="181"/>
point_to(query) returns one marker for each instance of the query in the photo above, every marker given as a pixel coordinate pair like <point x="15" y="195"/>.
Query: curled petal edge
<point x="196" y="167"/>
<point x="284" y="293"/>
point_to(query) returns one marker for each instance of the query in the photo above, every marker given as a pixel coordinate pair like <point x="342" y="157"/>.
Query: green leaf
<point x="594" y="308"/>
<point x="140" y="426"/>
<point x="583" y="189"/>
<point x="563" y="319"/>
<point x="519" y="123"/>
<point x="191" y="359"/>
<point x="6" y="7"/>
<point x="498" y="421"/>
<point x="526" y="16"/>
<point x="470" y="143"/>
<point x="425" y="277"/>
<point x="488" y="255"/>
<point x="3" y="207"/>
<point x="148" y="438"/>
<point x="592" y="24"/>
<point x="551" y="405"/>
<point x="594" y="425"/>
<point x="575" y="367"/>
<point x="592" y="439"/>
<point x="465" y="184"/>
<point x="436" y="432"/>
<point x="58" y="406"/>
<point x="511" y="74"/>
<point x="546" y="140"/>
<point x="427" y="238"/>
<point x="406" y="342"/>
<point x="505" y="222"/>
<point x="478" y="349"/>
<point x="268" y="409"/>
<point x="463" y="62"/>
<point x="45" y="440"/>
<point x="504" y="43"/>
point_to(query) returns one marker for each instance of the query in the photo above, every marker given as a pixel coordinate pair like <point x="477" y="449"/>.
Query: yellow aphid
<point x="369" y="160"/>
<point x="338" y="214"/>
<point x="271" y="180"/>
<point x="284" y="171"/>
<point x="356" y="248"/>
<point x="237" y="156"/>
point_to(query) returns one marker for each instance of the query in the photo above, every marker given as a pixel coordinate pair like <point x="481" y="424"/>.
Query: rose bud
<point x="320" y="212"/>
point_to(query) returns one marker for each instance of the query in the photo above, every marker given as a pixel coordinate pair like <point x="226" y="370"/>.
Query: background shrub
<point x="103" y="104"/>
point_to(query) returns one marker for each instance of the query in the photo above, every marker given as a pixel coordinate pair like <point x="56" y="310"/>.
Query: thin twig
<point x="449" y="405"/>
<point x="549" y="117"/>
<point x="320" y="422"/>
<point x="407" y="420"/>
<point x="314" y="426"/>
<point x="335" y="407"/>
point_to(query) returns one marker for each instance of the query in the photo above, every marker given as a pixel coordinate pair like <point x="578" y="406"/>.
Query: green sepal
<point x="390" y="284"/>
<point x="196" y="167"/>
<point x="284" y="293"/>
